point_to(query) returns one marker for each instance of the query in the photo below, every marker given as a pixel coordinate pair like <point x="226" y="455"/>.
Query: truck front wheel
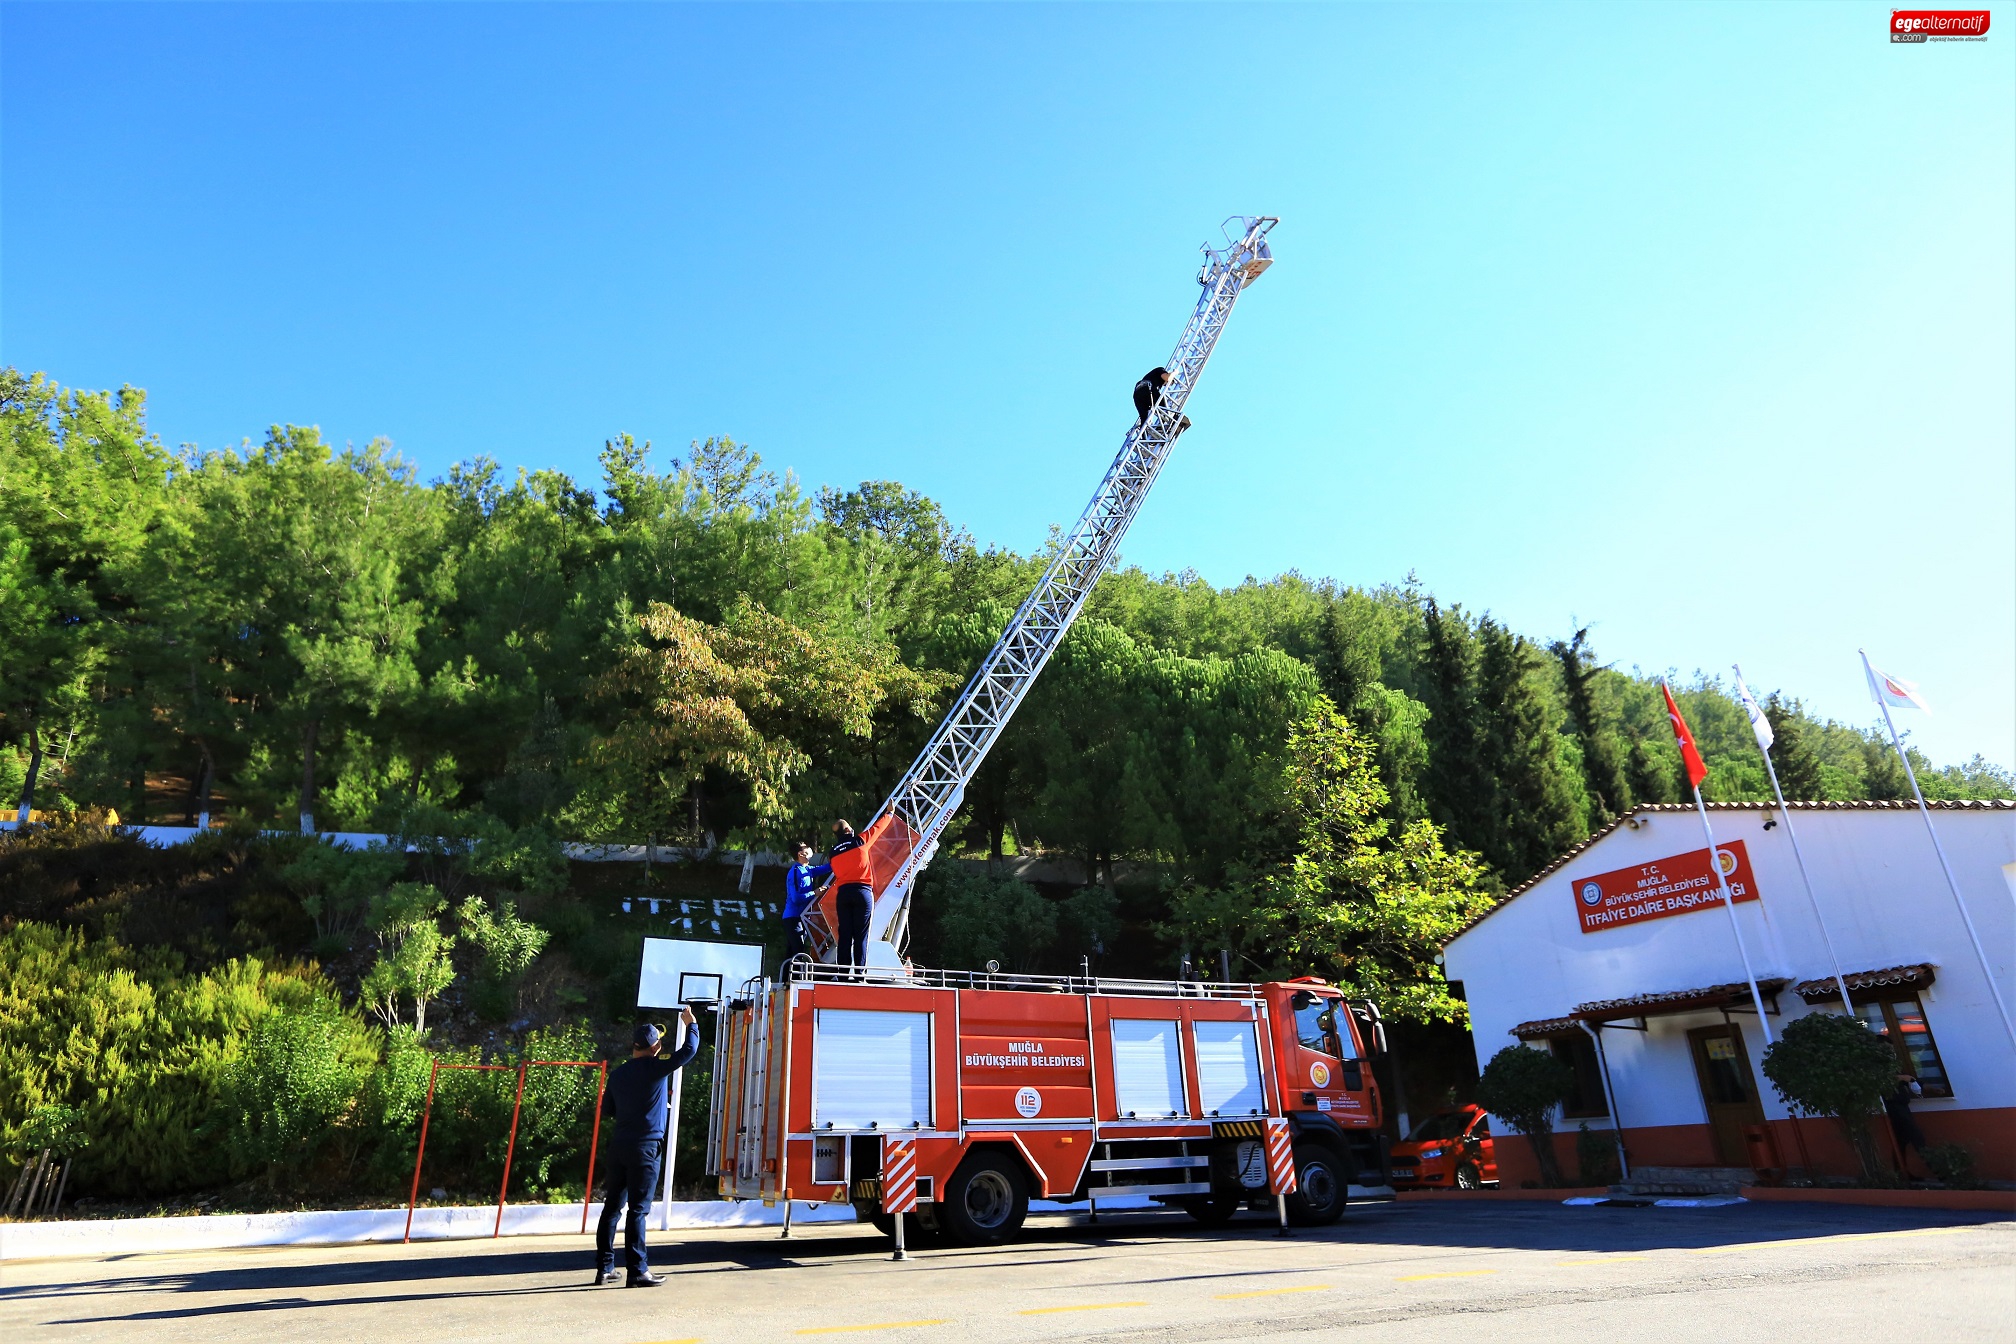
<point x="985" y="1201"/>
<point x="1321" y="1186"/>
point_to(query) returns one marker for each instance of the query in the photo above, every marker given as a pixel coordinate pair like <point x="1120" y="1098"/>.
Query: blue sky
<point x="1691" y="323"/>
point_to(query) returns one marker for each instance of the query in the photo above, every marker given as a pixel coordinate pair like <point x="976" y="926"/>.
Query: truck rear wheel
<point x="985" y="1201"/>
<point x="1321" y="1186"/>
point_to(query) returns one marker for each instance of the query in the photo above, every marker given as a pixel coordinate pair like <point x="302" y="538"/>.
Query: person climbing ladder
<point x="1147" y="390"/>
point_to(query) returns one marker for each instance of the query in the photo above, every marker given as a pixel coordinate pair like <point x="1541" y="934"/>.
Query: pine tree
<point x="1792" y="752"/>
<point x="1543" y="807"/>
<point x="1602" y="756"/>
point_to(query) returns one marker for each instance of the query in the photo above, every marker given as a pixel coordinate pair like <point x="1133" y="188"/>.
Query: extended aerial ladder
<point x="903" y="837"/>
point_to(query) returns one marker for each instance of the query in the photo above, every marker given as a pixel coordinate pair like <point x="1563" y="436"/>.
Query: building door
<point x="1730" y="1093"/>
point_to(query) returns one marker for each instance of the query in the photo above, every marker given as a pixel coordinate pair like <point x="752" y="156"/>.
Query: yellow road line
<point x="1570" y="1264"/>
<point x="673" y="1341"/>
<point x="1447" y="1274"/>
<point x="850" y="1329"/>
<point x="1821" y="1241"/>
<point x="1273" y="1292"/>
<point x="1088" y="1306"/>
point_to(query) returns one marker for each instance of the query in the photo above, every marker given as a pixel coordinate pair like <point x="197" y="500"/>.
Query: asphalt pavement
<point x="1392" y="1272"/>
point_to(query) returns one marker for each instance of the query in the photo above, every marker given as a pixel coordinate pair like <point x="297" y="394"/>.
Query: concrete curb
<point x="339" y="1227"/>
<point x="1494" y="1196"/>
<point x="1997" y="1201"/>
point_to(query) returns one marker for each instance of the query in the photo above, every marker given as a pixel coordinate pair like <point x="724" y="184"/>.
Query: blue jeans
<point x="629" y="1178"/>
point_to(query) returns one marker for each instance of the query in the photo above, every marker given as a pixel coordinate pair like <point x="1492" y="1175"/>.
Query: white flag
<point x="1759" y="724"/>
<point x="1888" y="690"/>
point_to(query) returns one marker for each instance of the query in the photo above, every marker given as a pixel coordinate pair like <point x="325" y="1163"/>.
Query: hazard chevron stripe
<point x="1280" y="1159"/>
<point x="899" y="1175"/>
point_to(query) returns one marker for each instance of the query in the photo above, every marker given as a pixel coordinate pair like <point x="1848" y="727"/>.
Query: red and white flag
<point x="1888" y="690"/>
<point x="1696" y="771"/>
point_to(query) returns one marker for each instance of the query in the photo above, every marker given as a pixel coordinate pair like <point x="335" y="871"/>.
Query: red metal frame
<point x="511" y="1143"/>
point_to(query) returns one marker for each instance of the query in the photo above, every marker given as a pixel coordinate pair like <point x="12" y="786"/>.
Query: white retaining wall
<point x="218" y="1231"/>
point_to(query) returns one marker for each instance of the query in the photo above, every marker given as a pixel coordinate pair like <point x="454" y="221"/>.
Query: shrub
<point x="509" y="944"/>
<point x="1596" y="1156"/>
<point x="1522" y="1086"/>
<point x="137" y="1047"/>
<point x="1951" y="1165"/>
<point x="284" y="1090"/>
<point x="1832" y="1065"/>
<point x="553" y="1125"/>
<point x="336" y="887"/>
<point x="387" y="1115"/>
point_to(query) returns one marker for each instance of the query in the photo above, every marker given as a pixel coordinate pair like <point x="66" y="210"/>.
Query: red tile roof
<point x="1818" y="991"/>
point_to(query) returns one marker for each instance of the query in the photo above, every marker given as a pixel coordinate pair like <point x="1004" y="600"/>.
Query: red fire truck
<point x="1016" y="1087"/>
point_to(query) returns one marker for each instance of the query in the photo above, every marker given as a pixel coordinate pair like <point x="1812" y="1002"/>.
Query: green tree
<point x="739" y="698"/>
<point x="81" y="479"/>
<point x="1603" y="757"/>
<point x="1365" y="907"/>
<point x="1832" y="1065"/>
<point x="322" y="553"/>
<point x="1522" y="1086"/>
<point x="1800" y="773"/>
<point x="970" y="919"/>
<point x="415" y="959"/>
<point x="509" y="945"/>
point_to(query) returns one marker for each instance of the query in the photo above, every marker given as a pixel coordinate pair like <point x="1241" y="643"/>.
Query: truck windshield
<point x="1316" y="1028"/>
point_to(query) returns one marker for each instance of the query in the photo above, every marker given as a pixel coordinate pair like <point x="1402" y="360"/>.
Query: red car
<point x="1450" y="1150"/>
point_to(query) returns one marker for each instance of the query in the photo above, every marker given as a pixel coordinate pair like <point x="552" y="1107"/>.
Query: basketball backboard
<point x="685" y="970"/>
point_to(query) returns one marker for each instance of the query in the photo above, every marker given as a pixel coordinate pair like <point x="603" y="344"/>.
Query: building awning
<point x="1545" y="1027"/>
<point x="1908" y="977"/>
<point x="1708" y="997"/>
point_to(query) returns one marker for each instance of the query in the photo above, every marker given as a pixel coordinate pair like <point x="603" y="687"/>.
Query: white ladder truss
<point x="921" y="806"/>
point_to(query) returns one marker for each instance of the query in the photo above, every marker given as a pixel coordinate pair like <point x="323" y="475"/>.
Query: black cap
<point x="645" y="1036"/>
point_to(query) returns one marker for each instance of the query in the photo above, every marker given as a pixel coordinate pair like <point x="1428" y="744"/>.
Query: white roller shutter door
<point x="1228" y="1068"/>
<point x="1147" y="1068"/>
<point x="871" y="1069"/>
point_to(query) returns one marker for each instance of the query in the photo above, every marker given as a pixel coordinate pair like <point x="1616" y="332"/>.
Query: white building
<point x="1620" y="958"/>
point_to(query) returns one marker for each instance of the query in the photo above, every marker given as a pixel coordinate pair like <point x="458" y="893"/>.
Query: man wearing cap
<point x="638" y="1096"/>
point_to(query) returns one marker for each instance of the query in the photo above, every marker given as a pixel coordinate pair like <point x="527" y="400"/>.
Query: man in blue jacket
<point x="801" y="887"/>
<point x="638" y="1096"/>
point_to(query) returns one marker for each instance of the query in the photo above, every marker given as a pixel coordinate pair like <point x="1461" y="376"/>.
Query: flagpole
<point x="1729" y="904"/>
<point x="1696" y="772"/>
<point x="1952" y="883"/>
<point x="1785" y="811"/>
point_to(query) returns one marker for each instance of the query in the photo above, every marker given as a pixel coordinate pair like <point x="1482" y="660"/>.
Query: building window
<point x="1585" y="1099"/>
<point x="1900" y="1019"/>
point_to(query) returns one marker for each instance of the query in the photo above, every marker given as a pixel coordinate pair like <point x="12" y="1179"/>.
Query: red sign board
<point x="1672" y="886"/>
<point x="1918" y="25"/>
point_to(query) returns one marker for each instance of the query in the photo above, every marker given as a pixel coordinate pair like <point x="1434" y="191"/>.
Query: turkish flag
<point x="1696" y="772"/>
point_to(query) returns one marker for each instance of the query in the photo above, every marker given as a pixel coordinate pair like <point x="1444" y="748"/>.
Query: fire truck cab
<point x="1020" y="1087"/>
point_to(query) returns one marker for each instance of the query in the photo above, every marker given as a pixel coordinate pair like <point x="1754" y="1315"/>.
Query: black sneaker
<point x="1183" y="425"/>
<point x="604" y="1277"/>
<point x="645" y="1280"/>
